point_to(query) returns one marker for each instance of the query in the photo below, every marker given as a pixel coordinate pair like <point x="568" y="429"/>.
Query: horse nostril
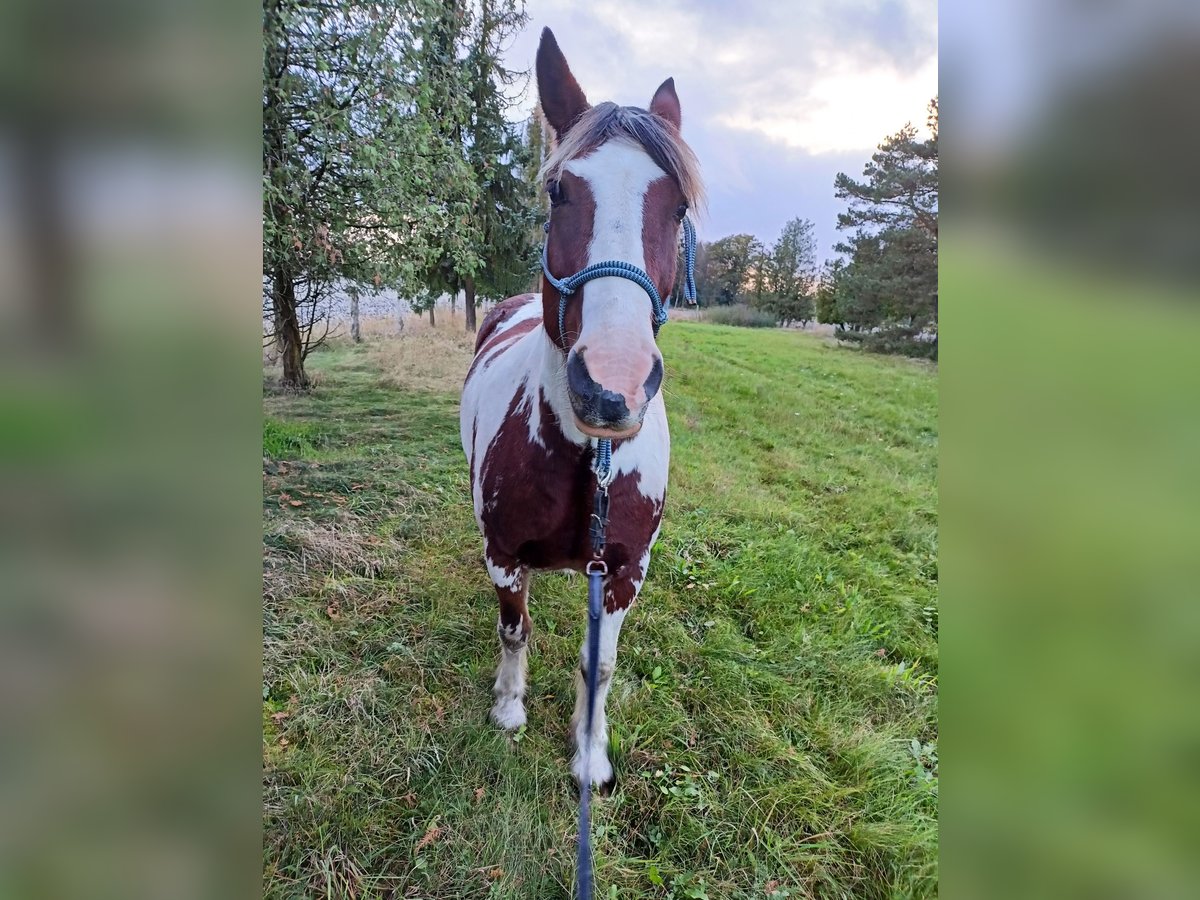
<point x="654" y="381"/>
<point x="579" y="379"/>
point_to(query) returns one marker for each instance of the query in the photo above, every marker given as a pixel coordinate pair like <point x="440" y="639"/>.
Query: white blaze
<point x="616" y="311"/>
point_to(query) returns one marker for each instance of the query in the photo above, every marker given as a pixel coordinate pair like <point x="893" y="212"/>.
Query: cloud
<point x="777" y="97"/>
<point x="846" y="108"/>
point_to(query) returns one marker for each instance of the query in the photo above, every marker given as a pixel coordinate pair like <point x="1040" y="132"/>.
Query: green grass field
<point x="774" y="713"/>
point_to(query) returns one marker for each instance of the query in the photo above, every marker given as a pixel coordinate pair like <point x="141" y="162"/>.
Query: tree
<point x="760" y="286"/>
<point x="444" y="107"/>
<point x="827" y="291"/>
<point x="791" y="272"/>
<point x="727" y="268"/>
<point x="536" y="150"/>
<point x="509" y="208"/>
<point x="498" y="256"/>
<point x="358" y="188"/>
<point x="887" y="292"/>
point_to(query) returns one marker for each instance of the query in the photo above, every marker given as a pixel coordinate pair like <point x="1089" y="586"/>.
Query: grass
<point x="774" y="712"/>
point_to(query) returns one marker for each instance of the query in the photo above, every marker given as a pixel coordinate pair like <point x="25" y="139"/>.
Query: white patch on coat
<point x="502" y="577"/>
<point x="485" y="401"/>
<point x="648" y="454"/>
<point x="643" y="565"/>
<point x="553" y="379"/>
<point x="531" y="309"/>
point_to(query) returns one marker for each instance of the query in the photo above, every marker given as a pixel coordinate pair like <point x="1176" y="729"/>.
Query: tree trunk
<point x="469" y="304"/>
<point x="50" y="249"/>
<point x="287" y="333"/>
<point x="432" y="320"/>
<point x="355" y="330"/>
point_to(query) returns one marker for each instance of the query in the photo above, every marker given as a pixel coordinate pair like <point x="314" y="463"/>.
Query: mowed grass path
<point x="774" y="714"/>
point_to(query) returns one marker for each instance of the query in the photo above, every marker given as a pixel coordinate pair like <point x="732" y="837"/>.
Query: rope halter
<point x="621" y="269"/>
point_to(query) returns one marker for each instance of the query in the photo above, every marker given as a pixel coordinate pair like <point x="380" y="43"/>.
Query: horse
<point x="555" y="375"/>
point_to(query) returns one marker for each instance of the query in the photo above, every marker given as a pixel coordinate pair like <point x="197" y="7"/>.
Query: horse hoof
<point x="606" y="789"/>
<point x="598" y="770"/>
<point x="509" y="713"/>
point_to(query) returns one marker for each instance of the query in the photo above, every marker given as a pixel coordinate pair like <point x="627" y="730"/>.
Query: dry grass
<point x="425" y="358"/>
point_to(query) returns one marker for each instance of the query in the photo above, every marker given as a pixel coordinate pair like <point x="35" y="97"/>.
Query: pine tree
<point x="887" y="292"/>
<point x="827" y="292"/>
<point x="444" y="108"/>
<point x="498" y="255"/>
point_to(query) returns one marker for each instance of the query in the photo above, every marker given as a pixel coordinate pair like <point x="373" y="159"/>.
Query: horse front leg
<point x="514" y="627"/>
<point x="591" y="748"/>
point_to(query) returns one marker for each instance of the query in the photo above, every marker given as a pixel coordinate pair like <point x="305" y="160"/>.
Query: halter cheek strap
<point x="620" y="269"/>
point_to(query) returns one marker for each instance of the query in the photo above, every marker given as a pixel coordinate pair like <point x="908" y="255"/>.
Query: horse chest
<point x="537" y="507"/>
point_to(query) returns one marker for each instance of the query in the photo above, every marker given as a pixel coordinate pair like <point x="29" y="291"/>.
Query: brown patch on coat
<point x="498" y="315"/>
<point x="567" y="253"/>
<point x="660" y="233"/>
<point x="542" y="522"/>
<point x="508" y="336"/>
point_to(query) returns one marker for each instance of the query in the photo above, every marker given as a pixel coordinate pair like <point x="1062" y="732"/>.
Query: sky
<point x="777" y="96"/>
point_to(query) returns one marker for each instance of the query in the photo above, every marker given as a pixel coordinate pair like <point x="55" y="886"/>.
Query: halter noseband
<point x="620" y="269"/>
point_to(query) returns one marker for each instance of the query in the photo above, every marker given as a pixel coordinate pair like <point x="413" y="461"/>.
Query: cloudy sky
<point x="778" y="96"/>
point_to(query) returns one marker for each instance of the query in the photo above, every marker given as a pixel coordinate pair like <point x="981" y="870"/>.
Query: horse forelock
<point x="661" y="141"/>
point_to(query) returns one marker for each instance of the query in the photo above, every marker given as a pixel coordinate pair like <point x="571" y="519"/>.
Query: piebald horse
<point x="539" y="395"/>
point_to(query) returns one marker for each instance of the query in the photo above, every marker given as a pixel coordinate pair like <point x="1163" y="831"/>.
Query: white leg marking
<point x="501" y="577"/>
<point x="509" y="710"/>
<point x="591" y="754"/>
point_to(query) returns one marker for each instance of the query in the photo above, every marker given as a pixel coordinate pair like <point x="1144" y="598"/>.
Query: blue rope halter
<point x="619" y="269"/>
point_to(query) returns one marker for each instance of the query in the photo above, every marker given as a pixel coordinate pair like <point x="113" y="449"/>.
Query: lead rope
<point x="596" y="570"/>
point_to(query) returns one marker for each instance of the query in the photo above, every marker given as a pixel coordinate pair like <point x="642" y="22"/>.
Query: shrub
<point x="898" y="340"/>
<point x="742" y="316"/>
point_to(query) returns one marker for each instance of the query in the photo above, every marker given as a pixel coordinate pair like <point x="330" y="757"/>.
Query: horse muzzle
<point x="610" y="407"/>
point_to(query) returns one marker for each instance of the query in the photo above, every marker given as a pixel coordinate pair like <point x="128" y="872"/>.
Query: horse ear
<point x="562" y="99"/>
<point x="666" y="103"/>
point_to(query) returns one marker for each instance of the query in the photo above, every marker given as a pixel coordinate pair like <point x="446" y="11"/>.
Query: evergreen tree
<point x="498" y="256"/>
<point x="508" y="206"/>
<point x="827" y="292"/>
<point x="535" y="154"/>
<point x="444" y="107"/>
<point x="887" y="292"/>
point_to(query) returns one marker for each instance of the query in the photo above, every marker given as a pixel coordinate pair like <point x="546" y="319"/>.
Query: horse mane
<point x="661" y="141"/>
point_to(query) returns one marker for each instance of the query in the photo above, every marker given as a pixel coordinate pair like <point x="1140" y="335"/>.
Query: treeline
<point x="780" y="279"/>
<point x="882" y="291"/>
<point x="388" y="162"/>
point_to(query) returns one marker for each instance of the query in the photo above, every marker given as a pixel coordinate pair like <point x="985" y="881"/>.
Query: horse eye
<point x="681" y="212"/>
<point x="554" y="189"/>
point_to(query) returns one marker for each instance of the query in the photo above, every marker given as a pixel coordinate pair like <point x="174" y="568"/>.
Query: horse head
<point x="620" y="181"/>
